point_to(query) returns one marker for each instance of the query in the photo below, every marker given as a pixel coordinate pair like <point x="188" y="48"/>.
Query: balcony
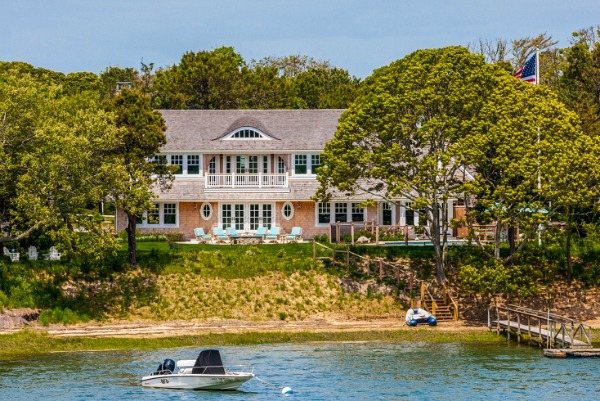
<point x="235" y="180"/>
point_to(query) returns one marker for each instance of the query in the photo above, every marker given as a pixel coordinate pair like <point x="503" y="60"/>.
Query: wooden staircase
<point x="440" y="303"/>
<point x="440" y="309"/>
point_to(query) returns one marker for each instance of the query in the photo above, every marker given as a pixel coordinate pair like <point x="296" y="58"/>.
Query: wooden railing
<point x="447" y="296"/>
<point x="383" y="268"/>
<point x="235" y="180"/>
<point x="543" y="327"/>
<point x="377" y="266"/>
<point x="339" y="229"/>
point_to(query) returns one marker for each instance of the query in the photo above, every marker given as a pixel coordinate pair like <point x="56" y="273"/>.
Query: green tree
<point x="309" y="83"/>
<point x="111" y="75"/>
<point x="577" y="82"/>
<point x="580" y="84"/>
<point x="141" y="135"/>
<point x="399" y="138"/>
<point x="203" y="80"/>
<point x="53" y="167"/>
<point x="323" y="88"/>
<point x="523" y="153"/>
<point x="265" y="89"/>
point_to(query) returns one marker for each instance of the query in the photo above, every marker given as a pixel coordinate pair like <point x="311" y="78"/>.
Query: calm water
<point x="319" y="371"/>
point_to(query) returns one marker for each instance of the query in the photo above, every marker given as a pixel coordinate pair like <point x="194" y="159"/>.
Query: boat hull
<point x="188" y="381"/>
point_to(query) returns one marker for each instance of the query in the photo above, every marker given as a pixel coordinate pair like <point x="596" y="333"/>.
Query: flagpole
<point x="537" y="82"/>
<point x="537" y="66"/>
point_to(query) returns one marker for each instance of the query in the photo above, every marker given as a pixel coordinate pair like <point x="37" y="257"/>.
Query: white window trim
<point x="230" y="136"/>
<point x="332" y="213"/>
<point x="291" y="216"/>
<point x="201" y="211"/>
<point x="246" y="213"/>
<point x="160" y="205"/>
<point x="309" y="172"/>
<point x="392" y="208"/>
<point x="184" y="170"/>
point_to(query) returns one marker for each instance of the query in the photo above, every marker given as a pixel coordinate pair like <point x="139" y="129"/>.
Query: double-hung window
<point x="324" y="214"/>
<point x="169" y="216"/>
<point x="300" y="164"/>
<point x="358" y="212"/>
<point x="177" y="160"/>
<point x="341" y="212"/>
<point x="193" y="164"/>
<point x="315" y="162"/>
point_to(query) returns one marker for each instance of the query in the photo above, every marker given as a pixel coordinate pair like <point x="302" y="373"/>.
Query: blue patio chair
<point x="201" y="235"/>
<point x="232" y="232"/>
<point x="273" y="235"/>
<point x="219" y="235"/>
<point x="295" y="235"/>
<point x="261" y="233"/>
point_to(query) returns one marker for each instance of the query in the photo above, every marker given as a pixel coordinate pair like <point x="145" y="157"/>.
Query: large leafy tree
<point x="202" y="80"/>
<point x="524" y="152"/>
<point x="309" y="83"/>
<point x="141" y="135"/>
<point x="401" y="137"/>
<point x="323" y="88"/>
<point x="52" y="139"/>
<point x="577" y="81"/>
<point x="580" y="83"/>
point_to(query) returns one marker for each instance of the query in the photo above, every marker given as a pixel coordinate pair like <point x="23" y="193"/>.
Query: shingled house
<point x="251" y="168"/>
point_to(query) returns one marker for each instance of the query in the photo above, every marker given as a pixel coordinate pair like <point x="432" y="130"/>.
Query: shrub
<point x="321" y="238"/>
<point x="63" y="316"/>
<point x="364" y="233"/>
<point x="3" y="300"/>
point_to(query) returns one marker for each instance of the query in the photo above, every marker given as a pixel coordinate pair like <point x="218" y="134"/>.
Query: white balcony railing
<point x="234" y="180"/>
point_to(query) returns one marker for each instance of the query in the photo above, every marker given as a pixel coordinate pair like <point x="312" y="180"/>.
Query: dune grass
<point x="26" y="344"/>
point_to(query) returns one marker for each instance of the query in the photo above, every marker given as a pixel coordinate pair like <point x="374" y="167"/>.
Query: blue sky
<point x="357" y="35"/>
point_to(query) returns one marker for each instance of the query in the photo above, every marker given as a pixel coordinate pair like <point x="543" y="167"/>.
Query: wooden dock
<point x="572" y="353"/>
<point x="547" y="329"/>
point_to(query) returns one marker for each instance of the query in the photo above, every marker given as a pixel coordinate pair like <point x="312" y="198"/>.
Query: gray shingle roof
<point x="200" y="130"/>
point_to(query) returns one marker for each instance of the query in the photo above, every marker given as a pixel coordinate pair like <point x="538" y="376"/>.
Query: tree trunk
<point x="131" y="242"/>
<point x="568" y="247"/>
<point x="511" y="239"/>
<point x="497" y="232"/>
<point x="437" y="246"/>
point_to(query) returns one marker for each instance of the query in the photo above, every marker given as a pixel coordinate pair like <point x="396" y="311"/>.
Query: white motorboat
<point x="415" y="316"/>
<point x="205" y="373"/>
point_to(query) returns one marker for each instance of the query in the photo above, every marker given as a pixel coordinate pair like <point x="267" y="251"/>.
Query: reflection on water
<point x="318" y="371"/>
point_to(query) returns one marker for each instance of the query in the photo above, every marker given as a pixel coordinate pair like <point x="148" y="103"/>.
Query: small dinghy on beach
<point x="205" y="373"/>
<point x="415" y="316"/>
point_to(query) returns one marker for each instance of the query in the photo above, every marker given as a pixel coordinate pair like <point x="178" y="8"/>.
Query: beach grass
<point x="27" y="343"/>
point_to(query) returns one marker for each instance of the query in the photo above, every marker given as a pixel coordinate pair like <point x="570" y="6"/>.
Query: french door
<point x="246" y="216"/>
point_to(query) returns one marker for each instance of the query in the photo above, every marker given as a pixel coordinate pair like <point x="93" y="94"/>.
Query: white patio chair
<point x="54" y="254"/>
<point x="32" y="253"/>
<point x="14" y="256"/>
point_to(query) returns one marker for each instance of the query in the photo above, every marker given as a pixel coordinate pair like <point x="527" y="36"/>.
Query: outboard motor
<point x="165" y="368"/>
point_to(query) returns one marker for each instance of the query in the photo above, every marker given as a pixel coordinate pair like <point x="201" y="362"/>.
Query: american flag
<point x="527" y="72"/>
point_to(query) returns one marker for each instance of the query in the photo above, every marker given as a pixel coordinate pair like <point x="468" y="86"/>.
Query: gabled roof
<point x="291" y="130"/>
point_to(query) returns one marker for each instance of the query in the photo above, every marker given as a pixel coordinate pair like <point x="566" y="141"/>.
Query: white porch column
<point x="402" y="214"/>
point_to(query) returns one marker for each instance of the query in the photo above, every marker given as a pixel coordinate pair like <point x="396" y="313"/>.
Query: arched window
<point x="246" y="133"/>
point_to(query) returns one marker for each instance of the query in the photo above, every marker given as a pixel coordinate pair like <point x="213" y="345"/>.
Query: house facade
<point x="251" y="168"/>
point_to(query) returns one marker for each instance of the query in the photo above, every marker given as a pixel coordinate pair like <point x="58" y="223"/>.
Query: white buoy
<point x="286" y="390"/>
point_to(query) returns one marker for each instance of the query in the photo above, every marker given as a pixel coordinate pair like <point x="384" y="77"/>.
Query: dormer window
<point x="247" y="133"/>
